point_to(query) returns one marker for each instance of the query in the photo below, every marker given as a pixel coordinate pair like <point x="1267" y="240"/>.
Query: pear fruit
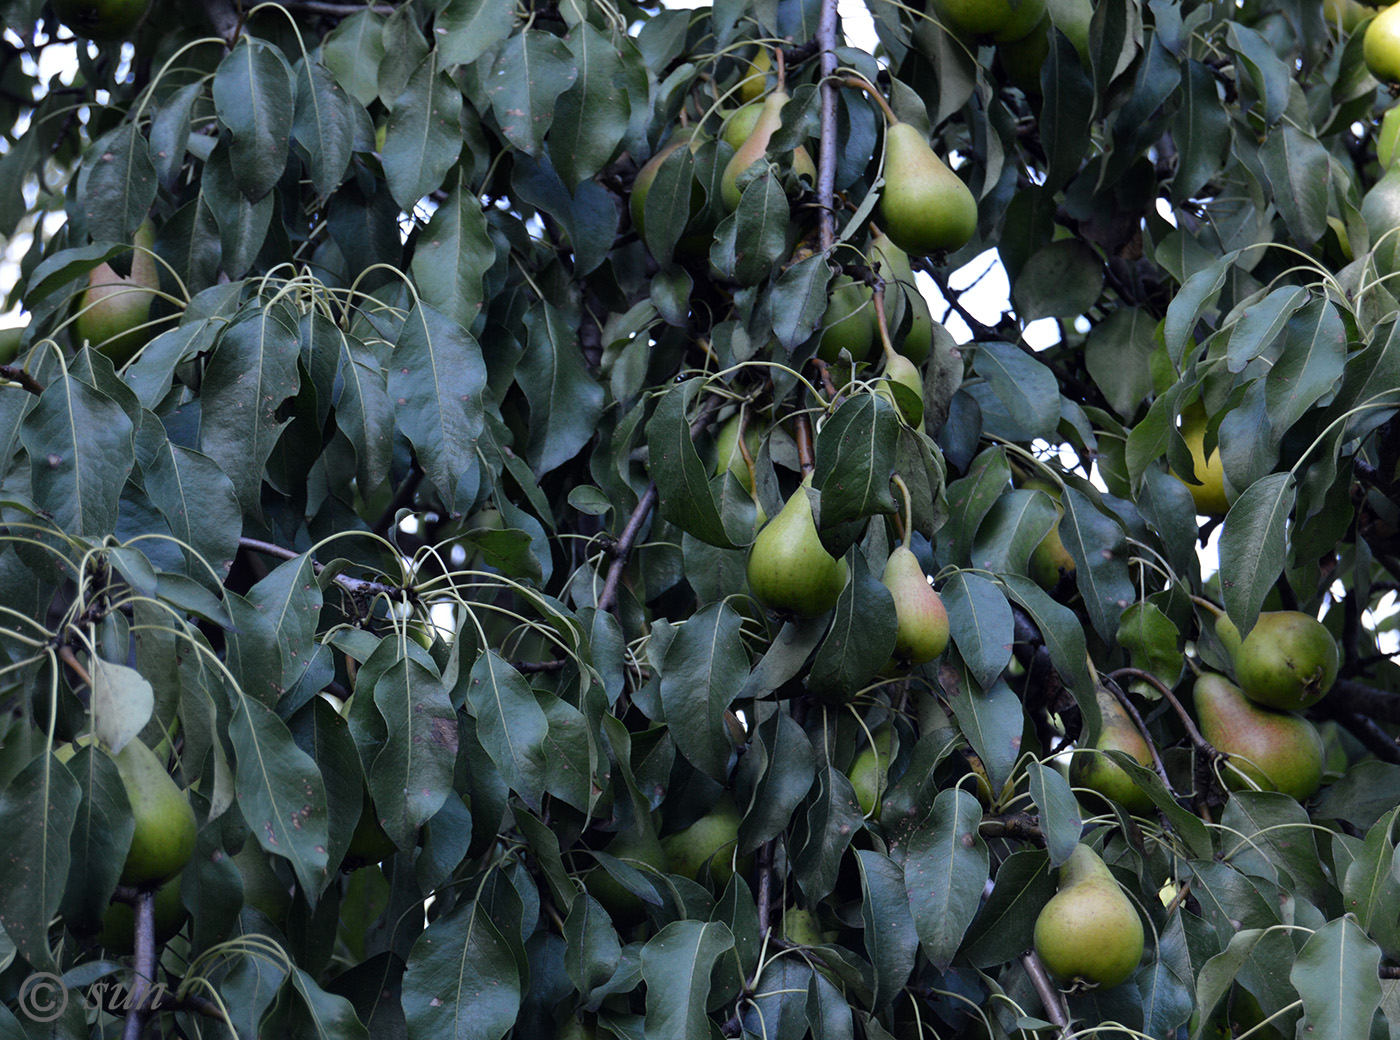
<point x="1209" y="494"/>
<point x="727" y="453"/>
<point x="118" y="934"/>
<point x="707" y="846"/>
<point x="1345" y="15"/>
<point x="1229" y="634"/>
<point x="870" y="771"/>
<point x="164" y="838"/>
<point x="641" y="185"/>
<point x="1050" y="560"/>
<point x="1388" y="137"/>
<point x="739" y="127"/>
<point x="1022" y="60"/>
<point x="923" y="622"/>
<point x="113" y="308"/>
<point x="1002" y="20"/>
<point x="1278" y="750"/>
<point x="369" y="842"/>
<point x="755" y="79"/>
<point x="755" y="147"/>
<point x="101" y="20"/>
<point x="574" y="1028"/>
<point x="924" y="207"/>
<point x="640" y="849"/>
<point x="1380" y="210"/>
<point x="1381" y="47"/>
<point x="848" y="322"/>
<point x="10" y="341"/>
<point x="899" y="369"/>
<point x="902" y="294"/>
<point x="789" y="570"/>
<point x="802" y="928"/>
<point x="1089" y="932"/>
<point x="1089" y="768"/>
<point x="263" y="890"/>
<point x="1288" y="661"/>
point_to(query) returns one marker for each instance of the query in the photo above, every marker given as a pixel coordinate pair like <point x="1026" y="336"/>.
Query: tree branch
<point x="826" y="154"/>
<point x="623" y="549"/>
<point x="1050" y="997"/>
<point x="15" y="374"/>
<point x="355" y="586"/>
<point x="144" y="969"/>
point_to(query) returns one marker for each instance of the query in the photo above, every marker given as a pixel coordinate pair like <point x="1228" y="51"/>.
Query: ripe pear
<point x="1209" y="494"/>
<point x="899" y="369"/>
<point x="848" y="323"/>
<point x="164" y="838"/>
<point x="1288" y="661"/>
<point x="639" y="849"/>
<point x="1089" y="932"/>
<point x="755" y="146"/>
<point x="870" y="771"/>
<point x="923" y="622"/>
<point x="1381" y="47"/>
<point x="739" y="127"/>
<point x="708" y="845"/>
<point x="755" y="79"/>
<point x="118" y="934"/>
<point x="925" y="207"/>
<point x="1380" y="209"/>
<point x="1278" y="750"/>
<point x="641" y="185"/>
<point x="1100" y="773"/>
<point x="789" y="569"/>
<point x="1003" y="20"/>
<point x="113" y="308"/>
<point x="101" y="20"/>
<point x="1229" y="635"/>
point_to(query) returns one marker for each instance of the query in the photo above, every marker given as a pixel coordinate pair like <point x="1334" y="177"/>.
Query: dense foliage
<point x="408" y="533"/>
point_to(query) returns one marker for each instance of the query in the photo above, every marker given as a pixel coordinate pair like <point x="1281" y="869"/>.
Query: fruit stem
<point x="803" y="435"/>
<point x="860" y="83"/>
<point x="879" y="300"/>
<point x="780" y="70"/>
<point x="1206" y="604"/>
<point x="1198" y="741"/>
<point x="744" y="452"/>
<point x="908" y="525"/>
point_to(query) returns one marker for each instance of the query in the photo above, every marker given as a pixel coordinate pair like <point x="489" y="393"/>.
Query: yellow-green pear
<point x="1003" y="20"/>
<point x="1381" y="47"/>
<point x="1209" y="493"/>
<point x="1288" y="661"/>
<point x="922" y="632"/>
<point x="263" y="890"/>
<point x="1091" y="769"/>
<point x="899" y="369"/>
<point x="870" y="771"/>
<point x="789" y="570"/>
<point x="728" y="455"/>
<point x="755" y="147"/>
<point x="1345" y="15"/>
<point x="1380" y="209"/>
<point x="1277" y="750"/>
<point x="755" y="79"/>
<point x="1229" y="634"/>
<point x="1388" y="136"/>
<point x="925" y="207"/>
<point x="164" y="838"/>
<point x="848" y="322"/>
<point x="113" y="308"/>
<point x="641" y="185"/>
<point x="118" y="934"/>
<point x="1050" y="560"/>
<point x="639" y="849"/>
<point x="1089" y="933"/>
<point x="803" y="928"/>
<point x="739" y="126"/>
<point x="707" y="845"/>
<point x="1022" y="60"/>
<point x="102" y="20"/>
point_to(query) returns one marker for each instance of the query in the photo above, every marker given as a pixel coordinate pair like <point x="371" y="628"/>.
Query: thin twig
<point x="624" y="546"/>
<point x="1050" y="997"/>
<point x="1132" y="711"/>
<point x="19" y="376"/>
<point x="355" y="586"/>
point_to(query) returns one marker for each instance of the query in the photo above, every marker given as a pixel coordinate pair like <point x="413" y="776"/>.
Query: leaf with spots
<point x="510" y="724"/>
<point x="275" y="629"/>
<point x="37" y="813"/>
<point x="280" y="793"/>
<point x="532" y="70"/>
<point x="411" y="776"/>
<point x="461" y="981"/>
<point x="424" y="136"/>
<point x="944" y="872"/>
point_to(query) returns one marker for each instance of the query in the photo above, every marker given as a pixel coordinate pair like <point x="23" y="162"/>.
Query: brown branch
<point x="608" y="598"/>
<point x="1348" y="695"/>
<point x="1050" y="997"/>
<point x="765" y="888"/>
<point x="1198" y="741"/>
<point x="1132" y="711"/>
<point x="144" y="968"/>
<point x="15" y="374"/>
<point x="826" y="153"/>
<point x="355" y="586"/>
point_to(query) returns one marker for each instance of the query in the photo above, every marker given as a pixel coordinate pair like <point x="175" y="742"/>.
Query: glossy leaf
<point x="944" y="871"/>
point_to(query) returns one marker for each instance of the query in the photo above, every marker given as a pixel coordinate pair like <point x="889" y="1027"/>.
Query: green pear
<point x="789" y="570"/>
<point x="574" y="1028"/>
<point x="707" y="846"/>
<point x="870" y="771"/>
<point x="1003" y="20"/>
<point x="1389" y="136"/>
<point x="1228" y="633"/>
<point x="640" y="849"/>
<point x="925" y="207"/>
<point x="1022" y="60"/>
<point x="922" y="632"/>
<point x="164" y="838"/>
<point x="1288" y="661"/>
<point x="803" y="928"/>
<point x="1050" y="560"/>
<point x="727" y="453"/>
<point x="1380" y="209"/>
<point x="755" y="146"/>
<point x="899" y="369"/>
<point x="102" y="20"/>
<point x="738" y="128"/>
<point x="1278" y="750"/>
<point x="369" y="842"/>
<point x="641" y="185"/>
<point x="848" y="323"/>
<point x="118" y="934"/>
<point x="113" y="309"/>
<point x="1089" y="768"/>
<point x="1381" y="47"/>
<point x="1089" y="932"/>
<point x="263" y="890"/>
<point x="1209" y="495"/>
<point x="755" y="80"/>
<point x="10" y="342"/>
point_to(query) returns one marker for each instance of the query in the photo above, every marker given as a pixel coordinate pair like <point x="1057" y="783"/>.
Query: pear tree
<point x="761" y="519"/>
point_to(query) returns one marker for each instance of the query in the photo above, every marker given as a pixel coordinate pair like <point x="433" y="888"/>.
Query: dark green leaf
<point x="511" y="724"/>
<point x="944" y="871"/>
<point x="1335" y="974"/>
<point x="1060" y="816"/>
<point x="861" y="639"/>
<point x="1026" y="388"/>
<point x="590" y="118"/>
<point x="118" y="184"/>
<point x="411" y="776"/>
<point x="1100" y="550"/>
<point x="683" y="488"/>
<point x="424" y="136"/>
<point x="890" y="936"/>
<point x="531" y="71"/>
<point x="676" y="964"/>
<point x="1252" y="546"/>
<point x="254" y="98"/>
<point x="467" y="29"/>
<point x="980" y="622"/>
<point x="323" y="123"/>
<point x="703" y="669"/>
<point x="855" y="457"/>
<point x="565" y="400"/>
<point x="461" y="980"/>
